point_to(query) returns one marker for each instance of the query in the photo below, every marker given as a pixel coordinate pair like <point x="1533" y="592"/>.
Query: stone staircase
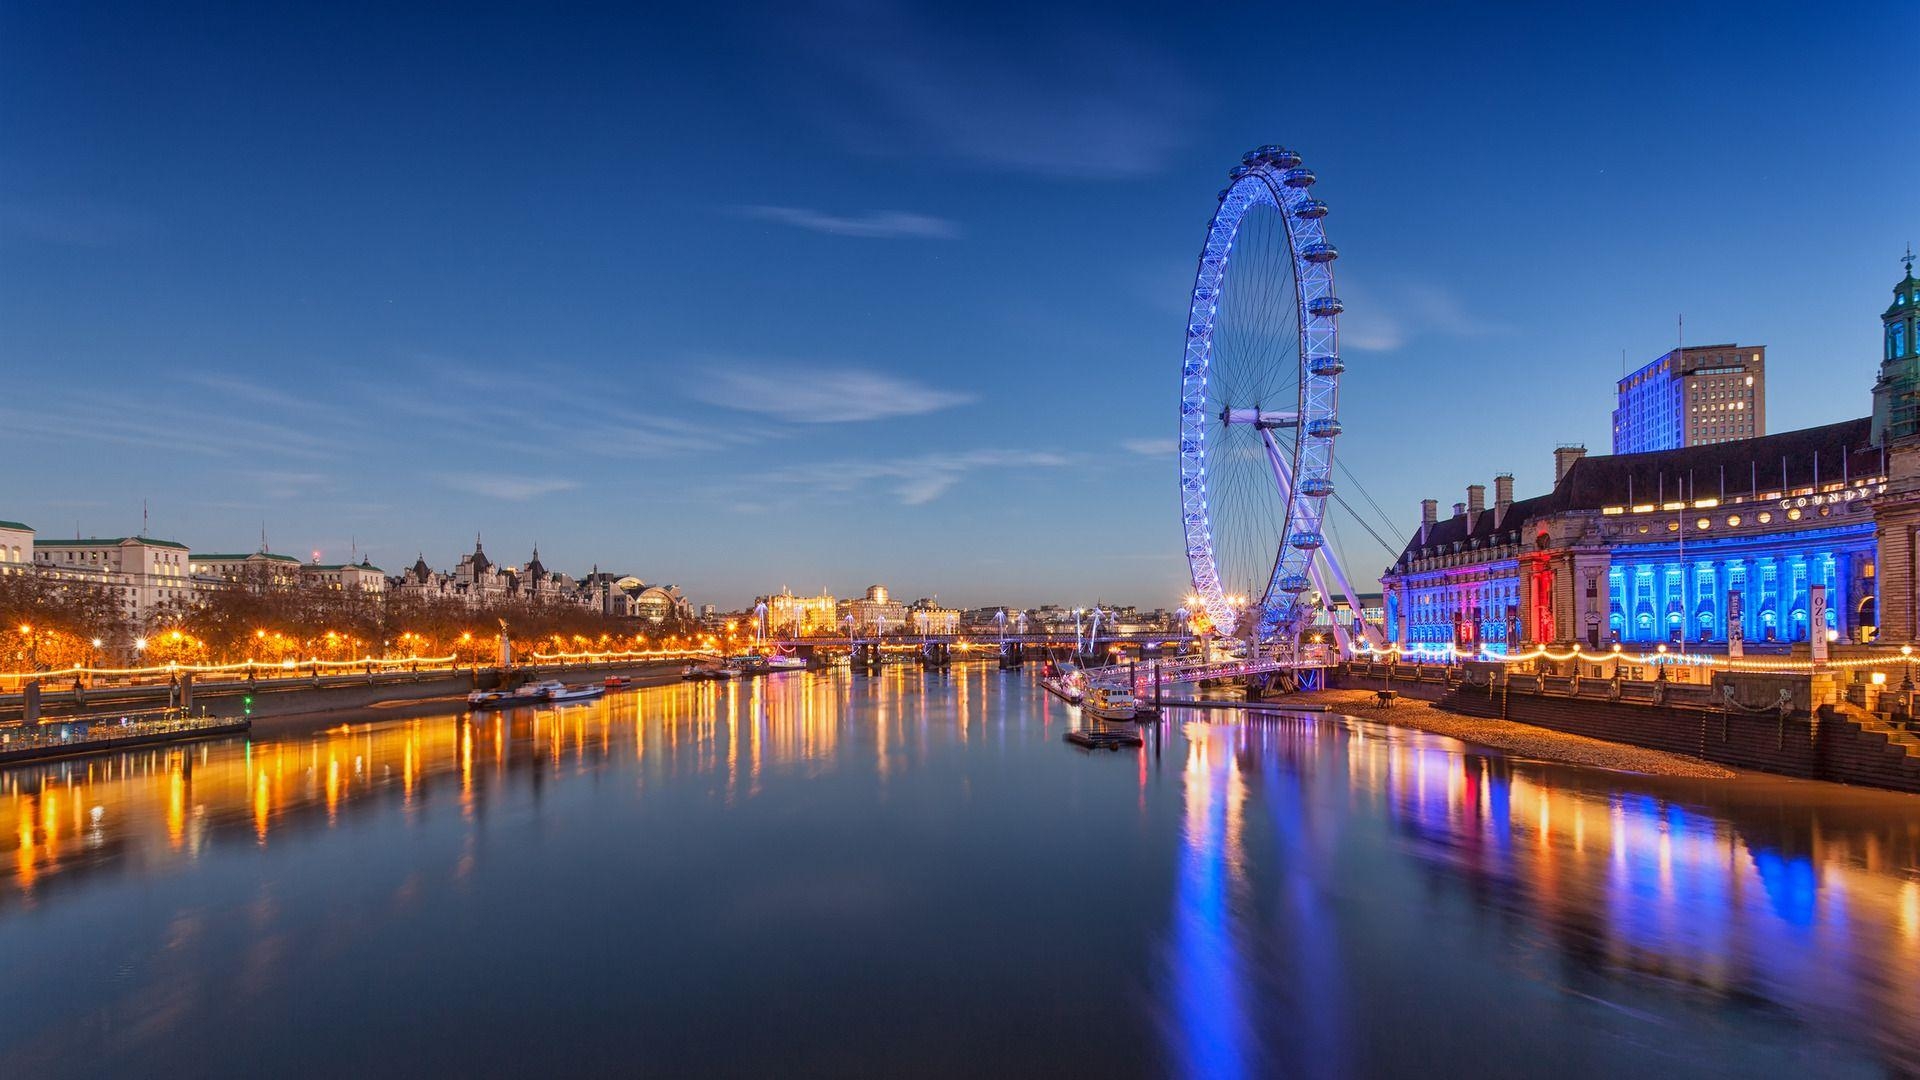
<point x="1864" y="747"/>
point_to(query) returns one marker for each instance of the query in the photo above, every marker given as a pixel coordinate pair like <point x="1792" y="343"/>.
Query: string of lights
<point x="1447" y="652"/>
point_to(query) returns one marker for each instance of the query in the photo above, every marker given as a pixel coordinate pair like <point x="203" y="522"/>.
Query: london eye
<point x="1259" y="402"/>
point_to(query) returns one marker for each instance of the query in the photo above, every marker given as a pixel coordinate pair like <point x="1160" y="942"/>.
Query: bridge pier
<point x="1012" y="655"/>
<point x="866" y="658"/>
<point x="936" y="655"/>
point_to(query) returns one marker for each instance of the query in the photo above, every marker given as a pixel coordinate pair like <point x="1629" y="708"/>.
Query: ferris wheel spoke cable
<point x="1386" y="519"/>
<point x="1384" y="546"/>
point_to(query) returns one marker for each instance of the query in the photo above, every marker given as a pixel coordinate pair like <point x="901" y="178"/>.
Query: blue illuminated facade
<point x="1634" y="549"/>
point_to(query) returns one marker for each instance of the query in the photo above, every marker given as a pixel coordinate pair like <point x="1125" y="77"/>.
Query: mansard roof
<point x="1787" y="460"/>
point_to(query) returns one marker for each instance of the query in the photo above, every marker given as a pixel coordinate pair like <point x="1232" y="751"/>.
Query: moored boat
<point x="583" y="692"/>
<point x="1109" y="704"/>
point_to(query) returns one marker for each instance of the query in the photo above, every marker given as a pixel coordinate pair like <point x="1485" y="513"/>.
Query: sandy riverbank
<point x="1521" y="740"/>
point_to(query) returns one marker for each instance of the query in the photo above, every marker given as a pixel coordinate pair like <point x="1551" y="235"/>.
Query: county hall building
<point x="1674" y="545"/>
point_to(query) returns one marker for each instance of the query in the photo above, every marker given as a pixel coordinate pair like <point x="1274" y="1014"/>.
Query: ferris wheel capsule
<point x="1325" y="365"/>
<point x="1305" y="541"/>
<point x="1298" y="178"/>
<point x="1317" y="486"/>
<point x="1311" y="209"/>
<point x="1320" y="253"/>
<point x="1294" y="583"/>
<point x="1280" y="156"/>
<point x="1325" y="306"/>
<point x="1325" y="428"/>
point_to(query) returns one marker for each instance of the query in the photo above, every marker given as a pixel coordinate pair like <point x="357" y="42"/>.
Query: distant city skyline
<point x="851" y="293"/>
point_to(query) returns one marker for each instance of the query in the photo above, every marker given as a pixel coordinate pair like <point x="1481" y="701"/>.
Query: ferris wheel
<point x="1259" y="397"/>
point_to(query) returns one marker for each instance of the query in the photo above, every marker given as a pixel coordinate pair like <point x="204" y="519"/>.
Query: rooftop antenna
<point x="263" y="537"/>
<point x="143" y="517"/>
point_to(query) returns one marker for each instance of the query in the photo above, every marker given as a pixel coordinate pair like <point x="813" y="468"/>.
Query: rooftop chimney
<point x="1563" y="459"/>
<point x="1459" y="509"/>
<point x="1502" y="497"/>
<point x="1476" y="499"/>
<point x="1429" y="513"/>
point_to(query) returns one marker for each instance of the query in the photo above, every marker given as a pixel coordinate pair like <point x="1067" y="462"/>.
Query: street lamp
<point x="1906" y="684"/>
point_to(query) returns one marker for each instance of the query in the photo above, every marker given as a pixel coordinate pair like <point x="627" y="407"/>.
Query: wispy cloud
<point x="915" y="481"/>
<point x="872" y="225"/>
<point x="1068" y="96"/>
<point x="820" y="395"/>
<point x="1156" y="448"/>
<point x="1382" y="319"/>
<point x="510" y="488"/>
<point x="282" y="484"/>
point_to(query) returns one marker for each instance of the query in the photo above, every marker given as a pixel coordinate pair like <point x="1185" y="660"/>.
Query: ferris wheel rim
<point x="1273" y="177"/>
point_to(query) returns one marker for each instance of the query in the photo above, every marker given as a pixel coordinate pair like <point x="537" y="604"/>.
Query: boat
<point x="749" y="664"/>
<point x="786" y="663"/>
<point x="582" y="692"/>
<point x="707" y="671"/>
<point x="489" y="699"/>
<point x="1108" y="704"/>
<point x="537" y="691"/>
<point x="614" y="682"/>
<point x="1065" y="683"/>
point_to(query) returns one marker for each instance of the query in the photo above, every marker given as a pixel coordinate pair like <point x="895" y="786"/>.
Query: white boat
<point x="786" y="663"/>
<point x="489" y="699"/>
<point x="537" y="691"/>
<point x="583" y="692"/>
<point x="1109" y="704"/>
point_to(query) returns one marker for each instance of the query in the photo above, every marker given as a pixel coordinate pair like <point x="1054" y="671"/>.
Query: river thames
<point x="913" y="875"/>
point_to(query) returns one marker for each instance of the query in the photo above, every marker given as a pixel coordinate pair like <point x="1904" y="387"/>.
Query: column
<point x="1837" y="596"/>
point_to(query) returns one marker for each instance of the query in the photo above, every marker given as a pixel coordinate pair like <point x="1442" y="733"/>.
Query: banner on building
<point x="1736" y="627"/>
<point x="1464" y="637"/>
<point x="1817" y="624"/>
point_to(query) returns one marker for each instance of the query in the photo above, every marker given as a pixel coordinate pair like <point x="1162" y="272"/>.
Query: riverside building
<point x="1706" y="526"/>
<point x="1696" y="396"/>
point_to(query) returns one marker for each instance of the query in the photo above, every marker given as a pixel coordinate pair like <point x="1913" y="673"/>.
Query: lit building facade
<point x="1696" y="396"/>
<point x="253" y="570"/>
<point x="147" y="575"/>
<point x="1652" y="548"/>
<point x="927" y="617"/>
<point x="874" y="611"/>
<point x="360" y="577"/>
<point x="16" y="547"/>
<point x="789" y="614"/>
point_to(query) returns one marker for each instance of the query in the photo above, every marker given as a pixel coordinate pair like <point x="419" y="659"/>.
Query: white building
<point x="16" y="547"/>
<point x="362" y="576"/>
<point x="148" y="574"/>
<point x="255" y="569"/>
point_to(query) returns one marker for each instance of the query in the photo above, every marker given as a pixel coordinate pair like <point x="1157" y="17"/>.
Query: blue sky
<point x="820" y="295"/>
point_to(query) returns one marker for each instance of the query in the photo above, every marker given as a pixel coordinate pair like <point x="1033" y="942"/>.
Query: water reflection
<point x="1267" y="894"/>
<point x="70" y="817"/>
<point x="1797" y="900"/>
